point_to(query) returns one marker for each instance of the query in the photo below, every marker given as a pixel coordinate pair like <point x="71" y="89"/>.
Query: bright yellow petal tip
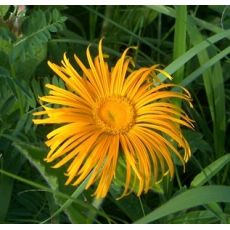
<point x="110" y="113"/>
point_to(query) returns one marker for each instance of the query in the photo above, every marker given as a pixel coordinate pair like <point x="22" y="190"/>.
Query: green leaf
<point x="5" y="46"/>
<point x="179" y="44"/>
<point x="194" y="217"/>
<point x="212" y="61"/>
<point x="56" y="180"/>
<point x="24" y="68"/>
<point x="120" y="179"/>
<point x="189" y="199"/>
<point x="35" y="155"/>
<point x="123" y="28"/>
<point x="169" y="11"/>
<point x="197" y="142"/>
<point x="214" y="87"/>
<point x="211" y="170"/>
<point x="68" y="203"/>
<point x="179" y="47"/>
<point x="78" y="203"/>
<point x="175" y="65"/>
<point x="37" y="28"/>
<point x="130" y="205"/>
<point x="3" y="10"/>
<point x="6" y="183"/>
<point x="6" y="106"/>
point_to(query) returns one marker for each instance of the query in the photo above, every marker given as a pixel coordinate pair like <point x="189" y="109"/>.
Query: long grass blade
<point x="74" y="196"/>
<point x="211" y="170"/>
<point x="169" y="11"/>
<point x="179" y="62"/>
<point x="179" y="47"/>
<point x="214" y="87"/>
<point x="125" y="30"/>
<point x="189" y="199"/>
<point x="212" y="61"/>
<point x="54" y="192"/>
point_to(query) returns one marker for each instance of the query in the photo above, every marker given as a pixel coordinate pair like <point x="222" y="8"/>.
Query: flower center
<point x="114" y="114"/>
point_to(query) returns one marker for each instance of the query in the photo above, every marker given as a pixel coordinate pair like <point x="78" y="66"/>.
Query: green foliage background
<point x="191" y="42"/>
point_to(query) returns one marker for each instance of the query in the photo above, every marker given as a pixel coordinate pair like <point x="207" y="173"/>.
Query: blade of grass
<point x="220" y="109"/>
<point x="52" y="208"/>
<point x="214" y="87"/>
<point x="35" y="155"/>
<point x="205" y="175"/>
<point x="215" y="208"/>
<point x="179" y="47"/>
<point x="52" y="191"/>
<point x="86" y="43"/>
<point x="6" y="183"/>
<point x="92" y="22"/>
<point x="125" y="30"/>
<point x="194" y="217"/>
<point x="74" y="196"/>
<point x="97" y="203"/>
<point x="194" y="75"/>
<point x="188" y="199"/>
<point x="175" y="65"/>
<point x="169" y="11"/>
<point x="211" y="170"/>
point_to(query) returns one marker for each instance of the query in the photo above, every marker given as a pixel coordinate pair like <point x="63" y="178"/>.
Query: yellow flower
<point x="110" y="113"/>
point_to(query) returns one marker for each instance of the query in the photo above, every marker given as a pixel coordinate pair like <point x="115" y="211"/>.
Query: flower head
<point x="110" y="113"/>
